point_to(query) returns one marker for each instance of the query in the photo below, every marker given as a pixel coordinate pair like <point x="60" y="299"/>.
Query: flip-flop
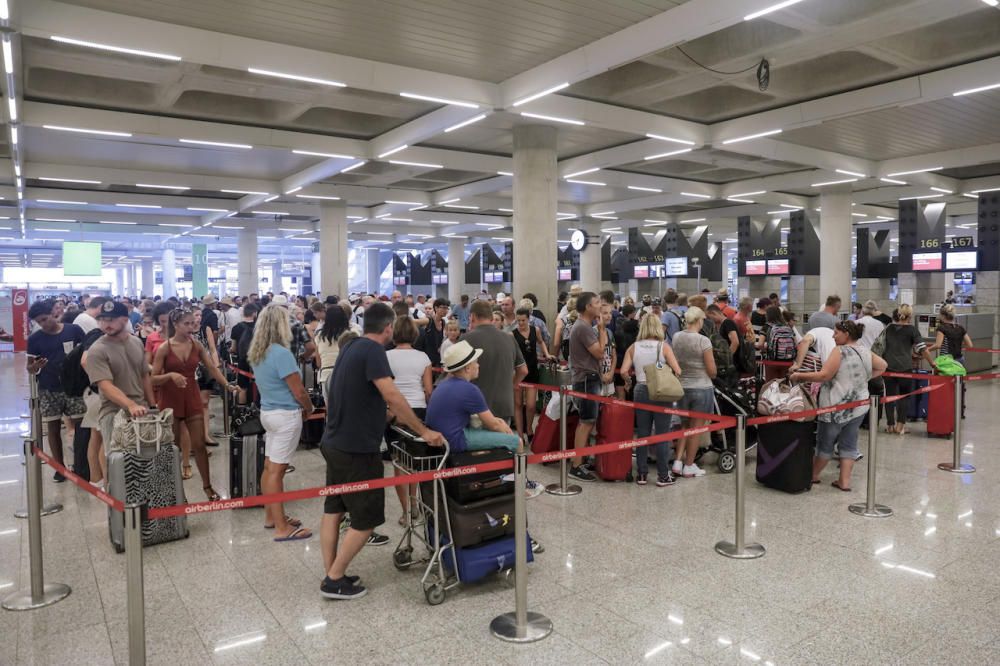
<point x="817" y="481"/>
<point x="296" y="535"/>
<point x="294" y="522"/>
<point x="836" y="484"/>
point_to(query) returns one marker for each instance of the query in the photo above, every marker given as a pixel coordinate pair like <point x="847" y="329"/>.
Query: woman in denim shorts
<point x="694" y="354"/>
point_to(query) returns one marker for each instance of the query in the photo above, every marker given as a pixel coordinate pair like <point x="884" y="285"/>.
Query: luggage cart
<point x="411" y="455"/>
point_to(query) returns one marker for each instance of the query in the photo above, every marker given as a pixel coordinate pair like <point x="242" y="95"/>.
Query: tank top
<point x="848" y="385"/>
<point x="645" y="353"/>
<point x="529" y="348"/>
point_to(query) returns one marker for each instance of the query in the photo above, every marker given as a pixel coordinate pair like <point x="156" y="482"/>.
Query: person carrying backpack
<point x="779" y="342"/>
<point x="722" y="348"/>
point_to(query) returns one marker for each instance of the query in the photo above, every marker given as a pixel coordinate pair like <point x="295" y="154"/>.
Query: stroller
<point x="732" y="401"/>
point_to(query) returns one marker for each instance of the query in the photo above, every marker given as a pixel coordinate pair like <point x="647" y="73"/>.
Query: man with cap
<point x="231" y="316"/>
<point x="209" y="319"/>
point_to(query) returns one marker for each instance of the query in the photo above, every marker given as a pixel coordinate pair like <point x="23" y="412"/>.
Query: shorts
<point x="92" y="399"/>
<point x="107" y="423"/>
<point x="589" y="409"/>
<point x="844" y="435"/>
<point x="56" y="404"/>
<point x="282" y="429"/>
<point x="367" y="508"/>
<point x="698" y="400"/>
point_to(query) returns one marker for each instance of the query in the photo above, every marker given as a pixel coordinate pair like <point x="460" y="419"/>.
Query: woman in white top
<point x="335" y="324"/>
<point x="411" y="371"/>
<point x="648" y="349"/>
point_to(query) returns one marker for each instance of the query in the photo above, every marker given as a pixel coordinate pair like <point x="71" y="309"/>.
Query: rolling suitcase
<point x="150" y="476"/>
<point x="785" y="455"/>
<point x="547" y="433"/>
<point x="941" y="407"/>
<point x="473" y="487"/>
<point x="478" y="562"/>
<point x="616" y="423"/>
<point x="246" y="464"/>
<point x="478" y="522"/>
<point x="917" y="404"/>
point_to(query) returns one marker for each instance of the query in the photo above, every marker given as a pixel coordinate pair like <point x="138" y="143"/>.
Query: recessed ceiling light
<point x="751" y="136"/>
<point x="312" y="153"/>
<point x="52" y="219"/>
<point x="8" y="57"/>
<point x="851" y="173"/>
<point x="163" y="187"/>
<point x="218" y="144"/>
<point x="462" y="124"/>
<point x="81" y="130"/>
<point x="942" y="190"/>
<point x="695" y="195"/>
<point x="354" y="166"/>
<point x="62" y="201"/>
<point x="460" y="206"/>
<point x="835" y="182"/>
<point x="669" y="154"/>
<point x="926" y="196"/>
<point x="316" y="196"/>
<point x="980" y="89"/>
<point x="69" y="180"/>
<point x="244" y="192"/>
<point x="555" y="119"/>
<point x="772" y="8"/>
<point x="442" y="222"/>
<point x="128" y="205"/>
<point x="907" y="173"/>
<point x="416" y="164"/>
<point x="504" y="173"/>
<point x="893" y="182"/>
<point x="270" y="212"/>
<point x="393" y="151"/>
<point x="989" y="189"/>
<point x="439" y="100"/>
<point x="743" y="195"/>
<point x="587" y="182"/>
<point x="696" y="219"/>
<point x="403" y="203"/>
<point x="115" y="222"/>
<point x="580" y="173"/>
<point x="116" y="49"/>
<point x="547" y="91"/>
<point x="645" y="189"/>
<point x="746" y="201"/>
<point x="296" y="77"/>
<point x="660" y="137"/>
<point x="209" y="210"/>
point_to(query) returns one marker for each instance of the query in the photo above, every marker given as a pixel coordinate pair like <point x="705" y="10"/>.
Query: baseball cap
<point x="112" y="310"/>
<point x="280" y="300"/>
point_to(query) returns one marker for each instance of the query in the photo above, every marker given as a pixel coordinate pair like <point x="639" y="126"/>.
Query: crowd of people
<point x="448" y="372"/>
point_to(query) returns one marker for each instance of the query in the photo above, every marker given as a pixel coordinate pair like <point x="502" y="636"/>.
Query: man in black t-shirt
<point x="361" y="389"/>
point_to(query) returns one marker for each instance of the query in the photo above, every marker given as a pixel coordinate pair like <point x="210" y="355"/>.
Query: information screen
<point x="927" y="261"/>
<point x="81" y="258"/>
<point x="757" y="267"/>
<point x="777" y="266"/>
<point x="565" y="273"/>
<point x="959" y="261"/>
<point x="677" y="266"/>
<point x="640" y="272"/>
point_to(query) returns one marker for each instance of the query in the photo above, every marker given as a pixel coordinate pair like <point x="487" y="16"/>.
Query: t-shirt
<point x="743" y="322"/>
<point x="134" y="317"/>
<point x="123" y="363"/>
<point x="884" y="318"/>
<point x="85" y="322"/>
<point x="689" y="348"/>
<point x="497" y="363"/>
<point x="54" y="347"/>
<point x="728" y="311"/>
<point x="823" y="342"/>
<point x="758" y="320"/>
<point x="270" y="375"/>
<point x="581" y="337"/>
<point x="209" y="320"/>
<point x="673" y="319"/>
<point x="873" y="328"/>
<point x="901" y="340"/>
<point x="954" y="336"/>
<point x="822" y="319"/>
<point x="451" y="404"/>
<point x="408" y="367"/>
<point x="728" y="326"/>
<point x="355" y="417"/>
<point x="153" y="342"/>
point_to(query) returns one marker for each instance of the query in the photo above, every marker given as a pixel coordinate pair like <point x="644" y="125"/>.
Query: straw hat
<point x="460" y="355"/>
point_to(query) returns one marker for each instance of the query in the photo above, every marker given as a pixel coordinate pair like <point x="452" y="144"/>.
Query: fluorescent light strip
<point x="504" y="173"/>
<point x="746" y="201"/>
<point x="296" y="77"/>
<point x="696" y="196"/>
<point x="780" y="212"/>
<point x="8" y="57"/>
<point x="244" y="192"/>
<point x="393" y="151"/>
<point x="271" y="198"/>
<point x="835" y="182"/>
<point x="660" y="137"/>
<point x="942" y="190"/>
<point x="907" y="173"/>
<point x="439" y="100"/>
<point x="580" y="173"/>
<point x="448" y="201"/>
<point x="555" y="119"/>
<point x="983" y="88"/>
<point x="70" y="180"/>
<point x="163" y="187"/>
<point x="645" y="189"/>
<point x="354" y="166"/>
<point x="269" y="212"/>
<point x="655" y="223"/>
<point x="403" y="203"/>
<point x="851" y="173"/>
<point x="398" y="219"/>
<point x="379" y="233"/>
<point x="751" y="136"/>
<point x="294" y="190"/>
<point x="218" y="144"/>
<point x="772" y="8"/>
<point x="220" y="226"/>
<point x="168" y="224"/>
<point x="416" y="164"/>
<point x="316" y="196"/>
<point x="114" y="222"/>
<point x="12" y="106"/>
<point x="926" y="196"/>
<point x="547" y="91"/>
<point x="335" y="156"/>
<point x="464" y="123"/>
<point x="696" y="219"/>
<point x="379" y="217"/>
<point x="442" y="222"/>
<point x="792" y="206"/>
<point x="54" y="231"/>
<point x="893" y="182"/>
<point x="990" y="189"/>
<point x="128" y="205"/>
<point x="587" y="182"/>
<point x="747" y="194"/>
<point x="209" y="210"/>
<point x="670" y="154"/>
<point x="52" y="219"/>
<point x="489" y="225"/>
<point x="61" y="201"/>
<point x="461" y="206"/>
<point x="116" y="49"/>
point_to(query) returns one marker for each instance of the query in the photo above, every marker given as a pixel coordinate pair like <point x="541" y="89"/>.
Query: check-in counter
<point x="979" y="326"/>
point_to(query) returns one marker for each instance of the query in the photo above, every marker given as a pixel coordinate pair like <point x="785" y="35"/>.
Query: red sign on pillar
<point x="19" y="307"/>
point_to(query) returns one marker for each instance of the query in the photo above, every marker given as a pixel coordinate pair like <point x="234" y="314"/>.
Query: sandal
<point x="294" y="522"/>
<point x="186" y="472"/>
<point x="836" y="484"/>
<point x="211" y="494"/>
<point x="299" y="534"/>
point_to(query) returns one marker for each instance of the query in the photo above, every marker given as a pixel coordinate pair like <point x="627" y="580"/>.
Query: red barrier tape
<point x="908" y="375"/>
<point x="728" y="420"/>
<point x="778" y="364"/>
<point x="777" y="418"/>
<point x="115" y="504"/>
<point x="981" y="378"/>
<point x="896" y="398"/>
<point x="984" y="350"/>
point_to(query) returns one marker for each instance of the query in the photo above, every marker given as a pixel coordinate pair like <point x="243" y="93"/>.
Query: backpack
<point x="73" y="377"/>
<point x="725" y="371"/>
<point x="745" y="358"/>
<point x="878" y="347"/>
<point x="781" y="343"/>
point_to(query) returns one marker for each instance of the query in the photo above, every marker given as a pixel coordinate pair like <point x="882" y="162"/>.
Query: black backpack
<point x="746" y="356"/>
<point x="73" y="377"/>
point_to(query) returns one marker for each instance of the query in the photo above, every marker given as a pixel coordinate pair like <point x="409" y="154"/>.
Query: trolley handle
<point x="414" y="437"/>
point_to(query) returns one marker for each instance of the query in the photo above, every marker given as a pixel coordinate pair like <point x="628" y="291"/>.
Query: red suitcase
<point x="616" y="423"/>
<point x="547" y="433"/>
<point x="941" y="407"/>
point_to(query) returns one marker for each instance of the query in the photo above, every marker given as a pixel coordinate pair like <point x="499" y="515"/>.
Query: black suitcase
<point x="474" y="487"/>
<point x="246" y="464"/>
<point x="785" y="455"/>
<point x="478" y="522"/>
<point x="312" y="428"/>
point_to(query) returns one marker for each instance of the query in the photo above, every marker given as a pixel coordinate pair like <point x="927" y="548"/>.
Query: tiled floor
<point x="629" y="575"/>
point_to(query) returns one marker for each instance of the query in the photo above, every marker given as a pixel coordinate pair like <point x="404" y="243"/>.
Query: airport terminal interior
<point x="758" y="183"/>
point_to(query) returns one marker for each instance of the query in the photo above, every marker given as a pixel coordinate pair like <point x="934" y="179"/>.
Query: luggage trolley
<point x="411" y="455"/>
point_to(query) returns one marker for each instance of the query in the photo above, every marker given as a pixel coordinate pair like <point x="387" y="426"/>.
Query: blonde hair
<point x="452" y="325"/>
<point x="694" y="315"/>
<point x="272" y="328"/>
<point x="948" y="310"/>
<point x="572" y="314"/>
<point x="650" y="328"/>
<point x="903" y="312"/>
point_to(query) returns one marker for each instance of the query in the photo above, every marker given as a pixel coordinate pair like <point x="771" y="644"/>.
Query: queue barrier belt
<point x="79" y="481"/>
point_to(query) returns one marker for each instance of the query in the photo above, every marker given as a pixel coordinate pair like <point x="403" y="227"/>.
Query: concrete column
<point x="169" y="272"/>
<point x="130" y="283"/>
<point x="246" y="251"/>
<point x="317" y="271"/>
<point x="119" y="281"/>
<point x="373" y="269"/>
<point x="333" y="247"/>
<point x="590" y="257"/>
<point x="835" y="236"/>
<point x="456" y="269"/>
<point x="148" y="280"/>
<point x="535" y="198"/>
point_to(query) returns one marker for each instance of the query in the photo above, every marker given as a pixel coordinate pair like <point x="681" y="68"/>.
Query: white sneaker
<point x="678" y="468"/>
<point x="691" y="471"/>
<point x="533" y="489"/>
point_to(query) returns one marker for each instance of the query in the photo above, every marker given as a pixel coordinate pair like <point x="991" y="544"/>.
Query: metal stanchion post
<point x="521" y="626"/>
<point x="134" y="594"/>
<point x="36" y="436"/>
<point x="868" y="508"/>
<point x="563" y="487"/>
<point x="226" y="425"/>
<point x="740" y="550"/>
<point x="956" y="464"/>
<point x="41" y="593"/>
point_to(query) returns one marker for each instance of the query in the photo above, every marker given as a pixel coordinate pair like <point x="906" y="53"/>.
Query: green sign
<point x="199" y="270"/>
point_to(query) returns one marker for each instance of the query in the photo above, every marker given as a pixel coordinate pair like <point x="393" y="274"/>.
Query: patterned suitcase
<point x="151" y="475"/>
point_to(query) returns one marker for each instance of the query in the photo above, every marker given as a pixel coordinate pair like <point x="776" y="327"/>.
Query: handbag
<point x="780" y="396"/>
<point x="133" y="432"/>
<point x="948" y="366"/>
<point x="661" y="381"/>
<point x="246" y="420"/>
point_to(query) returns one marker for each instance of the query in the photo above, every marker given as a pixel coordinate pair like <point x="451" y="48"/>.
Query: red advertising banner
<point x="19" y="319"/>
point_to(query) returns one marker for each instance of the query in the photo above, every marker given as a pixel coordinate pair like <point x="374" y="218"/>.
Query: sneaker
<point x="588" y="466"/>
<point x="58" y="478"/>
<point x="640" y="479"/>
<point x="668" y="480"/>
<point x="691" y="471"/>
<point x="533" y="489"/>
<point x="678" y="468"/>
<point x="345" y="524"/>
<point x="582" y="474"/>
<point x="377" y="539"/>
<point x="536" y="547"/>
<point x="341" y="589"/>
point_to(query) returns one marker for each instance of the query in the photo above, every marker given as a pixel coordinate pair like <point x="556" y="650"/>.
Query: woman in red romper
<point x="174" y="366"/>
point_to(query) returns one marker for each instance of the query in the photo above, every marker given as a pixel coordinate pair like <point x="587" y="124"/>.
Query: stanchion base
<point x="751" y="551"/>
<point x="961" y="468"/>
<point x="536" y="628"/>
<point x="21" y="601"/>
<point x="47" y="510"/>
<point x="861" y="509"/>
<point x="556" y="489"/>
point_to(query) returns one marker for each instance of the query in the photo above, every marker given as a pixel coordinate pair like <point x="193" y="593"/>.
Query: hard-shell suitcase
<point x="485" y="520"/>
<point x="151" y="476"/>
<point x="547" y="433"/>
<point x="477" y="562"/>
<point x="473" y="487"/>
<point x="785" y="455"/>
<point x="616" y="423"/>
<point x="246" y="464"/>
<point x="941" y="407"/>
<point x="917" y="404"/>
